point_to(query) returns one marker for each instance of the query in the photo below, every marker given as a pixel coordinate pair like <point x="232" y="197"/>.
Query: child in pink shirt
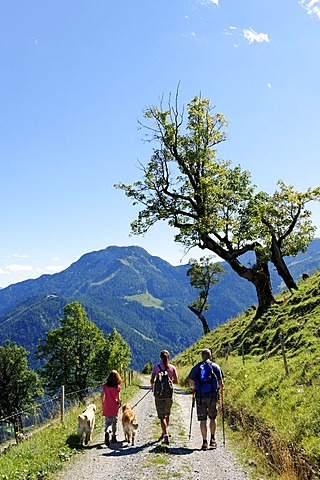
<point x="110" y="398"/>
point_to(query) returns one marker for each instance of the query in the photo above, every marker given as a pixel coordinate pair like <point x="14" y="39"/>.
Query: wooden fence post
<point x="62" y="404"/>
<point x="284" y="355"/>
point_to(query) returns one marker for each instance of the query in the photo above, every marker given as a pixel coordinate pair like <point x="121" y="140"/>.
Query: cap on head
<point x="206" y="353"/>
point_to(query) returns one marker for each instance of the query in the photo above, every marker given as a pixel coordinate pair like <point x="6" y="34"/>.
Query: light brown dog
<point x="129" y="423"/>
<point x="86" y="423"/>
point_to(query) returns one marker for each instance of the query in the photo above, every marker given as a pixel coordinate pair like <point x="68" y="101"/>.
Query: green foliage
<point x="147" y="368"/>
<point x="70" y="352"/>
<point x="284" y="215"/>
<point x="19" y="385"/>
<point x="115" y="354"/>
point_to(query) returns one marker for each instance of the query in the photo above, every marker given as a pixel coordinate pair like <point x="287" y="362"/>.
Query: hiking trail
<point x="148" y="459"/>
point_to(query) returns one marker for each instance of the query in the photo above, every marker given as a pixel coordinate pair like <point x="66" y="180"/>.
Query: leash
<point x="150" y="390"/>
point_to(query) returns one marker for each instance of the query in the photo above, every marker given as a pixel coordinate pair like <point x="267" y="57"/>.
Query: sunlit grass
<point x="278" y="412"/>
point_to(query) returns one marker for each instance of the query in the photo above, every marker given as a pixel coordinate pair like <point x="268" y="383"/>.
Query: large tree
<point x="70" y="353"/>
<point x="207" y="200"/>
<point x="212" y="204"/>
<point x="19" y="385"/>
<point x="203" y="274"/>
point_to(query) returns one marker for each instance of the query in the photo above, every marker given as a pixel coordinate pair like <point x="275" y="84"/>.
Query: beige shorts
<point x="163" y="407"/>
<point x="207" y="407"/>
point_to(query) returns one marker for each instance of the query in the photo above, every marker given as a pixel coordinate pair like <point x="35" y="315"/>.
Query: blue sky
<point x="75" y="79"/>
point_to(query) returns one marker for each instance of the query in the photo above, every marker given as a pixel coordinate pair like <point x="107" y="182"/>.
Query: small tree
<point x="19" y="385"/>
<point x="202" y="275"/>
<point x="70" y="352"/>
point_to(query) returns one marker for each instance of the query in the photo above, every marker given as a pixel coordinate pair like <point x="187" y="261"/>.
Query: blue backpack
<point x="206" y="381"/>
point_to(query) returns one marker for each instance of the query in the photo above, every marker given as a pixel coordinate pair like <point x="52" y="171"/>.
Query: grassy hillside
<point x="278" y="407"/>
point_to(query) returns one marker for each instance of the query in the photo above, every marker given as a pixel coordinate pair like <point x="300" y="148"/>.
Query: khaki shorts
<point x="163" y="407"/>
<point x="207" y="407"/>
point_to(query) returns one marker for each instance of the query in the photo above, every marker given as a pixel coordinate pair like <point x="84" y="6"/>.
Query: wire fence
<point x="50" y="409"/>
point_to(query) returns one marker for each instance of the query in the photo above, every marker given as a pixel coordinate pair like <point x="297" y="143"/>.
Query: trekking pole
<point x="192" y="407"/>
<point x="142" y="398"/>
<point x="222" y="408"/>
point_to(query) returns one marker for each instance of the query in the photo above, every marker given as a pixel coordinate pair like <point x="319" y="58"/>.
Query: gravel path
<point x="148" y="459"/>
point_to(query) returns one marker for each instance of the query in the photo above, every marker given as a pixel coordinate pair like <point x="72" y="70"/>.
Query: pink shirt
<point x="111" y="402"/>
<point x="172" y="372"/>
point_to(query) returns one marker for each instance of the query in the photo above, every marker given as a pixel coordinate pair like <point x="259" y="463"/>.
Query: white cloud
<point x="252" y="36"/>
<point x="17" y="255"/>
<point x="55" y="268"/>
<point x="312" y="7"/>
<point x="209" y="2"/>
<point x="19" y="268"/>
<point x="269" y="85"/>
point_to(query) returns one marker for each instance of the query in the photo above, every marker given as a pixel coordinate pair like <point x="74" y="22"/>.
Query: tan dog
<point x="86" y="423"/>
<point x="129" y="423"/>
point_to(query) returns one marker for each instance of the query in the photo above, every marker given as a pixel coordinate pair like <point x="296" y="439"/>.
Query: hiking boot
<point x="213" y="443"/>
<point x="204" y="445"/>
<point x="113" y="439"/>
<point x="107" y="439"/>
<point x="165" y="440"/>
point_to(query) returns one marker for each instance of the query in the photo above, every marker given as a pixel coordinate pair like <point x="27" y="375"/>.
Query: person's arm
<point x="175" y="375"/>
<point x="153" y="376"/>
<point x="192" y="383"/>
<point x="221" y="384"/>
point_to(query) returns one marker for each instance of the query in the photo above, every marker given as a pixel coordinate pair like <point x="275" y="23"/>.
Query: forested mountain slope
<point x="143" y="296"/>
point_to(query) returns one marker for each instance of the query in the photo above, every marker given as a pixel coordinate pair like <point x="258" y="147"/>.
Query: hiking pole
<point x="192" y="407"/>
<point x="142" y="398"/>
<point x="222" y="408"/>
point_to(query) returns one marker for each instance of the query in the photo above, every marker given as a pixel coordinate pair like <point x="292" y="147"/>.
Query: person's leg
<point x="213" y="426"/>
<point x="167" y="409"/>
<point x="203" y="429"/>
<point x="114" y="429"/>
<point x="202" y="417"/>
<point x="213" y="411"/>
<point x="164" y="426"/>
<point x="108" y="423"/>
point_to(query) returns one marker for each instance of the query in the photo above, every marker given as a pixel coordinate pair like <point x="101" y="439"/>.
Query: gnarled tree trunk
<point x="279" y="263"/>
<point x="202" y="319"/>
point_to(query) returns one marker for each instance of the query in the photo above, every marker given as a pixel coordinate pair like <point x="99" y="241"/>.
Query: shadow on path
<point x="122" y="448"/>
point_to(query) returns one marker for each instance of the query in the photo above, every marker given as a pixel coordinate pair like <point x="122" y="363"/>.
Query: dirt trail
<point x="148" y="459"/>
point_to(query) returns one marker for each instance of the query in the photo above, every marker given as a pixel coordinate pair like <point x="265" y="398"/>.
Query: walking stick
<point x="192" y="407"/>
<point x="222" y="408"/>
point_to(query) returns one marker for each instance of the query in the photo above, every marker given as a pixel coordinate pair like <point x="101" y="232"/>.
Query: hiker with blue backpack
<point x="205" y="380"/>
<point x="163" y="376"/>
